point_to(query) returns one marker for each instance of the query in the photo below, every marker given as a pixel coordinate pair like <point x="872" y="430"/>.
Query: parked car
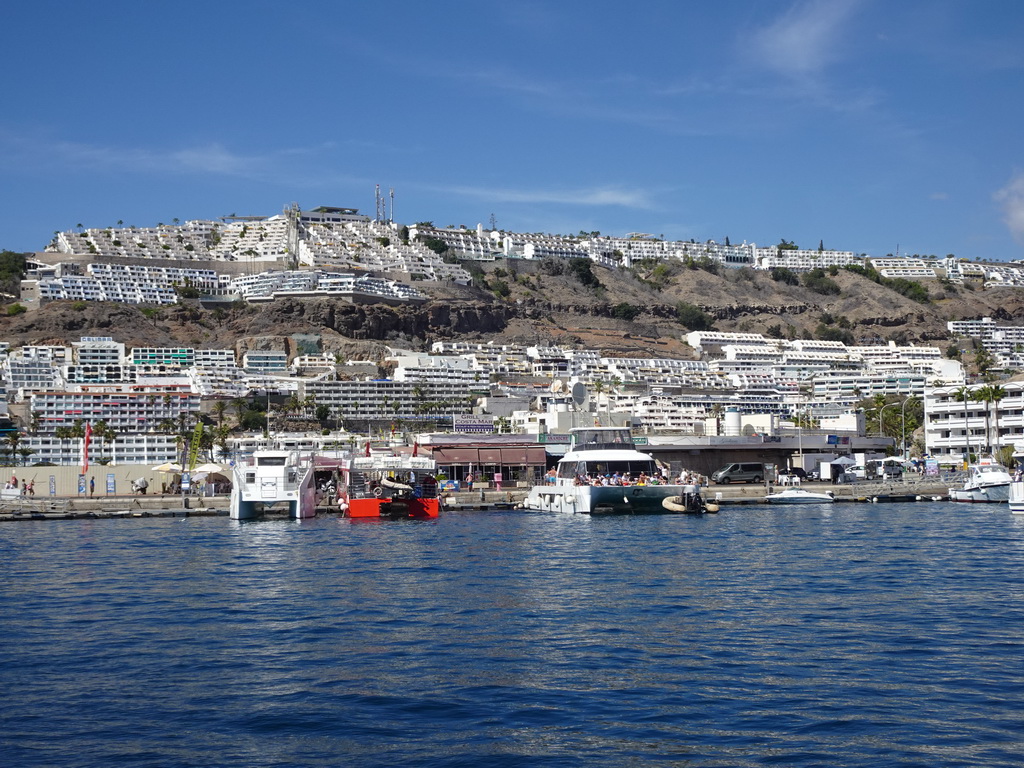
<point x="856" y="472"/>
<point x="739" y="472"/>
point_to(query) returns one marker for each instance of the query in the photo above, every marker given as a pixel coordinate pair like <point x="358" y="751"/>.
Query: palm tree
<point x="989" y="394"/>
<point x="241" y="406"/>
<point x="12" y="440"/>
<point x="997" y="393"/>
<point x="219" y="409"/>
<point x="963" y="395"/>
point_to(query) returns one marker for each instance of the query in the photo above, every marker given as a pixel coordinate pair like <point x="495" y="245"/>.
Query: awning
<point x="506" y="456"/>
<point x="524" y="455"/>
<point x="455" y="455"/>
<point x="490" y="456"/>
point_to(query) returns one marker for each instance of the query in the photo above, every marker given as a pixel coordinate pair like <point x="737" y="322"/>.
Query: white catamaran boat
<point x="273" y="481"/>
<point x="601" y="455"/>
<point x="987" y="480"/>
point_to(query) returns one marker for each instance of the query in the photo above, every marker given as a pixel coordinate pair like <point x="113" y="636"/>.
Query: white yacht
<point x="273" y="481"/>
<point x="987" y="481"/>
<point x="1017" y="483"/>
<point x="603" y="474"/>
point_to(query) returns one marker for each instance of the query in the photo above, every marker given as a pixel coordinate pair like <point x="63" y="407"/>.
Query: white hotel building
<point x="951" y="425"/>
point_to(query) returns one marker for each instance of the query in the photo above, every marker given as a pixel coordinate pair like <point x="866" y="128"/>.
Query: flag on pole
<point x="85" y="447"/>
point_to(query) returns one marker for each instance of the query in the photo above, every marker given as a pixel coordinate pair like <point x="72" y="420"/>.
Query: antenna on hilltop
<point x="494" y="223"/>
<point x="391" y="193"/>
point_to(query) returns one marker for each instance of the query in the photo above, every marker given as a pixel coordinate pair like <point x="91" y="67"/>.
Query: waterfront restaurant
<point x="490" y="464"/>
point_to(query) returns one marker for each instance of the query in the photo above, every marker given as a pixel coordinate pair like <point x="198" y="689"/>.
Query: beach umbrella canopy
<point x="209" y="467"/>
<point x="844" y="460"/>
<point x="167" y="467"/>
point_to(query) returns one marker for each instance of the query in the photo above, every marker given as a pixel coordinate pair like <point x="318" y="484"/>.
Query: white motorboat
<point x="987" y="481"/>
<point x="1017" y="484"/>
<point x="273" y="481"/>
<point x="603" y="474"/>
<point x="798" y="496"/>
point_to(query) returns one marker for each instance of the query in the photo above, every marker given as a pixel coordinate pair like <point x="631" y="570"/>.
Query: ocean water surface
<point x="843" y="635"/>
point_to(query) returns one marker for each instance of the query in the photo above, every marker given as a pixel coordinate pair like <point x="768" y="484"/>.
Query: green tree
<point x="964" y="395"/>
<point x="693" y="317"/>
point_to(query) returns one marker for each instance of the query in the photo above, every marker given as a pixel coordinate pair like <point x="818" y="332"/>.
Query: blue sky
<point x="865" y="124"/>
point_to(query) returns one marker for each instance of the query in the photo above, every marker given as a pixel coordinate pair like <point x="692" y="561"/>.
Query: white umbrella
<point x="209" y="467"/>
<point x="167" y="467"/>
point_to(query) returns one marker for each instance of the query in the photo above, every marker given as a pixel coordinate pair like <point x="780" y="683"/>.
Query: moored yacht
<point x="401" y="486"/>
<point x="1017" y="484"/>
<point x="987" y="480"/>
<point x="276" y="481"/>
<point x="604" y="474"/>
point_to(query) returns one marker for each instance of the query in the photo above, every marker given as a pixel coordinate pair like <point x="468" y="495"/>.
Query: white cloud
<point x="597" y="196"/>
<point x="1011" y="199"/>
<point x="805" y="40"/>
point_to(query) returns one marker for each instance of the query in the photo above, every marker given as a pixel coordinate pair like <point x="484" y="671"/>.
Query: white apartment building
<point x="706" y="342"/>
<point x="908" y="269"/>
<point x="436" y="369"/>
<point x="804" y="260"/>
<point x="853" y="387"/>
<point x="375" y="400"/>
<point x="952" y="425"/>
<point x="263" y="361"/>
<point x="135" y="448"/>
<point x="127" y="409"/>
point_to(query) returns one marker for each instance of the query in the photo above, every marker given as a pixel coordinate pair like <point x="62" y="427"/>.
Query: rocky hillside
<point x="619" y="312"/>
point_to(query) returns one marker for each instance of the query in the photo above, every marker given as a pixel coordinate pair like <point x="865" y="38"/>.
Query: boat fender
<point x="711" y="507"/>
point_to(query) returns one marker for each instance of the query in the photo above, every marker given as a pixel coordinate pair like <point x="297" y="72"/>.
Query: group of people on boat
<point x="622" y="479"/>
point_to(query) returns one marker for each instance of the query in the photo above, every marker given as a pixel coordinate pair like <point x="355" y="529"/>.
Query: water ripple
<point x="855" y="636"/>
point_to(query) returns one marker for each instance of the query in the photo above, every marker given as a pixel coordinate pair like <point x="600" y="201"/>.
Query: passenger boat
<point x="987" y="480"/>
<point x="600" y="454"/>
<point x="1017" y="484"/>
<point x="389" y="487"/>
<point x="273" y="481"/>
<point x="798" y="496"/>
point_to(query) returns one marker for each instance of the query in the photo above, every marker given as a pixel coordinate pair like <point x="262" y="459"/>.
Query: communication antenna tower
<point x="376" y="204"/>
<point x="293" y="215"/>
<point x="391" y="194"/>
<point x="494" y="223"/>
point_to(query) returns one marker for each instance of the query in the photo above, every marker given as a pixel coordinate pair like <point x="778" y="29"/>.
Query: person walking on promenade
<point x="92" y="486"/>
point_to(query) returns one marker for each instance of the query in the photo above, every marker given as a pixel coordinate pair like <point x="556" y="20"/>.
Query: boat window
<point x="271" y="461"/>
<point x="595" y="468"/>
<point x="250" y="477"/>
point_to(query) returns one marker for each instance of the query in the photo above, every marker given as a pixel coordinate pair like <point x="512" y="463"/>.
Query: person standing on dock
<point x="92" y="486"/>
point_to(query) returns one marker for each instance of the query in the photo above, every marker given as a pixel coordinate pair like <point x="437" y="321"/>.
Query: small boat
<point x="273" y="481"/>
<point x="606" y="455"/>
<point x="389" y="487"/>
<point x="799" y="496"/>
<point x="987" y="481"/>
<point x="689" y="502"/>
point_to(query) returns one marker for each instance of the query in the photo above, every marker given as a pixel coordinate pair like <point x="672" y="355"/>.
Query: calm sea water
<point x="858" y="635"/>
